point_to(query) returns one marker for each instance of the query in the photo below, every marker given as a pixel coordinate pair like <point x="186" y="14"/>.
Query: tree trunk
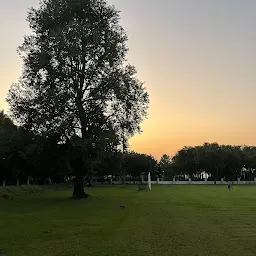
<point x="78" y="192"/>
<point x="216" y="175"/>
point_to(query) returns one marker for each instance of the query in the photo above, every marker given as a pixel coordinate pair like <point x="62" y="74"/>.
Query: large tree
<point x="184" y="161"/>
<point x="76" y="79"/>
<point x="213" y="159"/>
<point x="137" y="164"/>
<point x="166" y="167"/>
<point x="13" y="144"/>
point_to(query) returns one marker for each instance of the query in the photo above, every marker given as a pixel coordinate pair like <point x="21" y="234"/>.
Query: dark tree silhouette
<point x="76" y="80"/>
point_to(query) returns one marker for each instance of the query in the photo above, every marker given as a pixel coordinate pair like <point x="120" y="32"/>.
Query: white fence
<point x="190" y="182"/>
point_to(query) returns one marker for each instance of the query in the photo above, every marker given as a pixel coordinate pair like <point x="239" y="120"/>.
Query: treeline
<point x="29" y="158"/>
<point x="218" y="161"/>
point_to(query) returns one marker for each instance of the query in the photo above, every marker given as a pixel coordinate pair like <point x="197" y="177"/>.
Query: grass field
<point x="169" y="220"/>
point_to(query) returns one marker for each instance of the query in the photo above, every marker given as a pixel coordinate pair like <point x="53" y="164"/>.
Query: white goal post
<point x="149" y="181"/>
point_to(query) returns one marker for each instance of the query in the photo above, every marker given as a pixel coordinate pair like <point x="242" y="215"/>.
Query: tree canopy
<point x="219" y="161"/>
<point x="76" y="80"/>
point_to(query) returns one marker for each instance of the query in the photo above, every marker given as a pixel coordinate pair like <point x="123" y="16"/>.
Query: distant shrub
<point x="6" y="197"/>
<point x="31" y="189"/>
<point x="9" y="193"/>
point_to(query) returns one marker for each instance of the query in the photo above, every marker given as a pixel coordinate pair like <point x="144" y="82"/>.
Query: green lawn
<point x="169" y="220"/>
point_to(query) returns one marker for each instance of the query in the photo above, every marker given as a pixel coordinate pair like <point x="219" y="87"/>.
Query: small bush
<point x="10" y="193"/>
<point x="6" y="197"/>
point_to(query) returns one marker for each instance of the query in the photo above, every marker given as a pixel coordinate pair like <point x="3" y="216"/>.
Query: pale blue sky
<point x="197" y="57"/>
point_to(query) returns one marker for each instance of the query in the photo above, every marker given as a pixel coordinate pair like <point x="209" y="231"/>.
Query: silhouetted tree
<point x="184" y="161"/>
<point x="136" y="164"/>
<point x="166" y="168"/>
<point x="76" y="80"/>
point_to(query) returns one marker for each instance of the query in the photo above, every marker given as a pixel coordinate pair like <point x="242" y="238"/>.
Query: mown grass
<point x="169" y="220"/>
<point x="9" y="193"/>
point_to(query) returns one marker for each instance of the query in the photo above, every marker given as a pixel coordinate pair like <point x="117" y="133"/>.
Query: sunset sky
<point x="197" y="58"/>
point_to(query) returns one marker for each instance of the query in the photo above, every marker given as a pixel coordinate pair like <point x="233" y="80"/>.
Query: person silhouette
<point x="229" y="185"/>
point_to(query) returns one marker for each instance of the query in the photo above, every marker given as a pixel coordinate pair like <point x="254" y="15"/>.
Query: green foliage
<point x="136" y="164"/>
<point x="24" y="155"/>
<point x="12" y="144"/>
<point x="166" y="170"/>
<point x="76" y="80"/>
<point x="220" y="161"/>
<point x="12" y="193"/>
<point x="184" y="161"/>
<point x="75" y="75"/>
<point x="110" y="164"/>
<point x="6" y="122"/>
